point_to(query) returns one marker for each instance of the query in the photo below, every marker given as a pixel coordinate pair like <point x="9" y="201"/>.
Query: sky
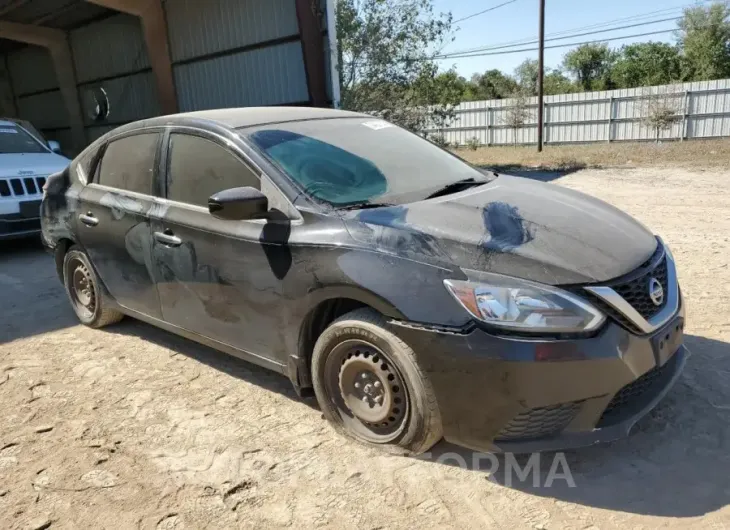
<point x="519" y="21"/>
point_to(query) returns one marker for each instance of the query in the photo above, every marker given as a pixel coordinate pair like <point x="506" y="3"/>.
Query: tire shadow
<point x="223" y="362"/>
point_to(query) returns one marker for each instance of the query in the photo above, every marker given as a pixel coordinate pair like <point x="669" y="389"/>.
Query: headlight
<point x="525" y="306"/>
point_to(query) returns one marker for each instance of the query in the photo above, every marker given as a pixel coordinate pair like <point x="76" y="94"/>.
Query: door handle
<point x="168" y="238"/>
<point x="88" y="219"/>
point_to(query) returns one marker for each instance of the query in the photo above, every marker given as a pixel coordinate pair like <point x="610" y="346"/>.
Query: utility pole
<point x="541" y="78"/>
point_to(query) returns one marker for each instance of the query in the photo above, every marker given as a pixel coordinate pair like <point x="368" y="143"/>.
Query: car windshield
<point x="14" y="139"/>
<point x="351" y="161"/>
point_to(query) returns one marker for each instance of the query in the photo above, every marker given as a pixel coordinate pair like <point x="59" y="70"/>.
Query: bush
<point x="440" y="140"/>
<point x="473" y="143"/>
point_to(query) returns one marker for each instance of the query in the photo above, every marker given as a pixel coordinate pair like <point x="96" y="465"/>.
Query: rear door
<point x="113" y="223"/>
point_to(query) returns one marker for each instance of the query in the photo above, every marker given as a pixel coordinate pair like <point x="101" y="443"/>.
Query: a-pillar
<point x="56" y="41"/>
<point x="154" y="26"/>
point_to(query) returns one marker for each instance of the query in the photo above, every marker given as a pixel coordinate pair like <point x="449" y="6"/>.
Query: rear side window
<point x="129" y="163"/>
<point x="200" y="168"/>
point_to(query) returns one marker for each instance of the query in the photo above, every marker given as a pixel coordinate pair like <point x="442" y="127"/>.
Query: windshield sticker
<point x="376" y="125"/>
<point x="8" y="131"/>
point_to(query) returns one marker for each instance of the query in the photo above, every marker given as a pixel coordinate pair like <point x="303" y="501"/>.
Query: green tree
<point x="526" y="75"/>
<point x="646" y="64"/>
<point x="556" y="83"/>
<point x="591" y="65"/>
<point x="704" y="40"/>
<point x="492" y="84"/>
<point x="386" y="50"/>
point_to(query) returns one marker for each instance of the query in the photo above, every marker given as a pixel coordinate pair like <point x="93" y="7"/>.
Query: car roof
<point x="236" y="118"/>
<point x="252" y="116"/>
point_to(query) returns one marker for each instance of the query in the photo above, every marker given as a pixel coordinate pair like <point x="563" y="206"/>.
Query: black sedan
<point x="418" y="296"/>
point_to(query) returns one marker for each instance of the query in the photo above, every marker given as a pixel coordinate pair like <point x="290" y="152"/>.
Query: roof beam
<point x="56" y="42"/>
<point x="154" y="26"/>
<point x="308" y="16"/>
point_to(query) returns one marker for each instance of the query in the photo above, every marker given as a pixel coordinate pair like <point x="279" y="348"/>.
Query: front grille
<point x="636" y="394"/>
<point x="636" y="292"/>
<point x="19" y="187"/>
<point x="541" y="421"/>
<point x="634" y="288"/>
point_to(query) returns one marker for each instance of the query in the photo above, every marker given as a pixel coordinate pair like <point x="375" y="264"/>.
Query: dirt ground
<point x="712" y="153"/>
<point x="131" y="427"/>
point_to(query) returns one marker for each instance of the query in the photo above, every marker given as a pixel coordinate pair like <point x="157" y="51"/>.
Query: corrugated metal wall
<point x="702" y="111"/>
<point x="37" y="96"/>
<point x="233" y="54"/>
<point x="112" y="54"/>
<point x="225" y="53"/>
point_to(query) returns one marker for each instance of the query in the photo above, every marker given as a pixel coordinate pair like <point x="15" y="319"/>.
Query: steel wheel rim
<point x="368" y="391"/>
<point x="81" y="287"/>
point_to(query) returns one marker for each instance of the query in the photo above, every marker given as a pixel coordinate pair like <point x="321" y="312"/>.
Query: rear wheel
<point x="370" y="387"/>
<point x="88" y="299"/>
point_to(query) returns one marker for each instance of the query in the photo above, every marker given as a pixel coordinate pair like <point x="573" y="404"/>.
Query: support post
<point x="541" y="77"/>
<point x="610" y="119"/>
<point x="685" y="114"/>
<point x="310" y="34"/>
<point x="154" y="26"/>
<point x="56" y="42"/>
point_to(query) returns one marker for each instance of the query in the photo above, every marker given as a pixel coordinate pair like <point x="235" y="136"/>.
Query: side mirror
<point x="55" y="146"/>
<point x="237" y="204"/>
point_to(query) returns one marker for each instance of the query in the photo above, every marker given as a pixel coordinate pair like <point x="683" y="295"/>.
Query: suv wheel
<point x="88" y="298"/>
<point x="370" y="387"/>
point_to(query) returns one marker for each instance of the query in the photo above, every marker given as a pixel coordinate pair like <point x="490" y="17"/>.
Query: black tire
<point x="360" y="345"/>
<point x="93" y="306"/>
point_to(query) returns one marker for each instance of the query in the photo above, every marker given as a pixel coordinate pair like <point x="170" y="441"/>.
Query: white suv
<point x="25" y="162"/>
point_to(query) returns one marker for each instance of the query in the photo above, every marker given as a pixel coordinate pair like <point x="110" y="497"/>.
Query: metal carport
<point x="78" y="68"/>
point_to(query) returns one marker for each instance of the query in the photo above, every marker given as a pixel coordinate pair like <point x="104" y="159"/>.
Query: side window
<point x="129" y="163"/>
<point x="199" y="168"/>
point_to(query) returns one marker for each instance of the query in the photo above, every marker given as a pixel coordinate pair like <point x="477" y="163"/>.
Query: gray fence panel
<point x="702" y="110"/>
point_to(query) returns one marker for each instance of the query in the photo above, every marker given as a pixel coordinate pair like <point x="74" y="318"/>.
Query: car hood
<point x="17" y="164"/>
<point x="513" y="226"/>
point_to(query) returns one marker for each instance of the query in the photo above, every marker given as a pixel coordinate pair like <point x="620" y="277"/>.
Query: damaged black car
<point x="417" y="297"/>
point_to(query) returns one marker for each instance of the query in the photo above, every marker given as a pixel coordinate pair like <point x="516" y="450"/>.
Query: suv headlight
<point x="525" y="306"/>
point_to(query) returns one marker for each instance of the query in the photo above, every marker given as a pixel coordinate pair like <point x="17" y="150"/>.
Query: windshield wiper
<point x="459" y="185"/>
<point x="365" y="205"/>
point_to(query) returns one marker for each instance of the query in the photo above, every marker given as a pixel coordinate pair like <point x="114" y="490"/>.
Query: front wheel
<point x="87" y="296"/>
<point x="370" y="387"/>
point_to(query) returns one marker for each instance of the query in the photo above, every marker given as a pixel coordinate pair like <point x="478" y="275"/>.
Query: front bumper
<point x="13" y="227"/>
<point x="509" y="394"/>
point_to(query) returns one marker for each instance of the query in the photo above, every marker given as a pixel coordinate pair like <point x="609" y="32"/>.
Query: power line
<point x="632" y="18"/>
<point x="490" y="48"/>
<point x="482" y="12"/>
<point x="521" y="50"/>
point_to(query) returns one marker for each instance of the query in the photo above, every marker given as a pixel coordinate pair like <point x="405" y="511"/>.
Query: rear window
<point x="129" y="163"/>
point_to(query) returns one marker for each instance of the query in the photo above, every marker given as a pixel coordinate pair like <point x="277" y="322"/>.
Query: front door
<point x="213" y="276"/>
<point x="113" y="222"/>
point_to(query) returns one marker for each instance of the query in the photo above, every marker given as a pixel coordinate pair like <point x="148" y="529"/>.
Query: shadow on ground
<point x="217" y="360"/>
<point x="33" y="299"/>
<point x="539" y="173"/>
<point x="674" y="464"/>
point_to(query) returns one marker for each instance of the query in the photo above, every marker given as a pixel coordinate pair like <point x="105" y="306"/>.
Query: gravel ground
<point x="131" y="427"/>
